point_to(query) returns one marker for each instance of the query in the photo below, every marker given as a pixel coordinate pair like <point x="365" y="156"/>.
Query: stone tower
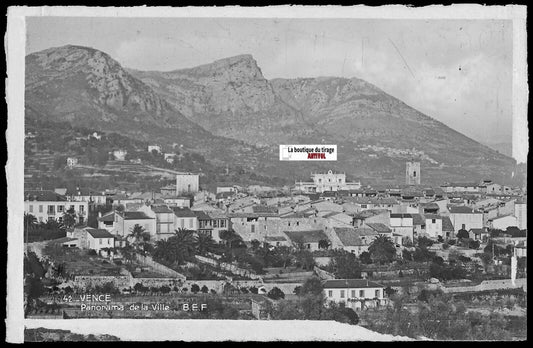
<point x="412" y="173"/>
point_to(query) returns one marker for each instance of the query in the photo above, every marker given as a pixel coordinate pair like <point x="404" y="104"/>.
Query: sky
<point x="456" y="71"/>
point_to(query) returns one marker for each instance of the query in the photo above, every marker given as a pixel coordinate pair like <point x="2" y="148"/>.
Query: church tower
<point x="412" y="173"/>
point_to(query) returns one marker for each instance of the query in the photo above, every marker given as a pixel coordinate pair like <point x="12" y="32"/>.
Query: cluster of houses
<point x="348" y="219"/>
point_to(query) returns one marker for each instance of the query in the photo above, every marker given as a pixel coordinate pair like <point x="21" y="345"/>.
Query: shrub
<point x="276" y="293"/>
<point x="204" y="289"/>
<point x="92" y="252"/>
<point x="184" y="290"/>
<point x="253" y="290"/>
<point x="212" y="291"/>
<point x="195" y="288"/>
<point x="244" y="290"/>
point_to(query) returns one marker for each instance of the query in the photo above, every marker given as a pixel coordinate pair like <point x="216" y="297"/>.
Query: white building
<point x="169" y="157"/>
<point x="120" y="155"/>
<point x="122" y="223"/>
<point x="98" y="239"/>
<point x="433" y="226"/>
<point x="157" y="148"/>
<point x="187" y="183"/>
<point x="327" y="182"/>
<point x="502" y="222"/>
<point x="402" y="224"/>
<point x="48" y="205"/>
<point x="465" y="218"/>
<point x="355" y="293"/>
<point x="71" y="162"/>
<point x="520" y="212"/>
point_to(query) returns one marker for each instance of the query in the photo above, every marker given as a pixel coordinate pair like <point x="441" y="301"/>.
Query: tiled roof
<point x="84" y="191"/>
<point x="43" y="196"/>
<point x="447" y="224"/>
<point x="134" y="215"/>
<point x="183" y="212"/>
<point x="99" y="233"/>
<point x="275" y="239"/>
<point x="379" y="227"/>
<point x="350" y="283"/>
<point x="368" y="213"/>
<point x="109" y="217"/>
<point x="201" y="215"/>
<point x="311" y="236"/>
<point x="401" y="215"/>
<point x="418" y="219"/>
<point x="264" y="209"/>
<point x="161" y="209"/>
<point x="461" y="210"/>
<point x="355" y="237"/>
<point x="222" y="195"/>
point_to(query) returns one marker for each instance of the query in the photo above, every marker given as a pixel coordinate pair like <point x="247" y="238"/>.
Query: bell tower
<point x="412" y="173"/>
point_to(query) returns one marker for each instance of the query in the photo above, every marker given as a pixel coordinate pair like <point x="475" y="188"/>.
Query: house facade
<point x="48" y="205"/>
<point x="329" y="181"/>
<point x="355" y="293"/>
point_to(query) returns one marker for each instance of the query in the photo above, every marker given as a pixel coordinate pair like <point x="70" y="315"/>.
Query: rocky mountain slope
<point x="86" y="87"/>
<point x="228" y="110"/>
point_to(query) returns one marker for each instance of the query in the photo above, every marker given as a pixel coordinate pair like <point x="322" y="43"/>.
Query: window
<point x="342" y="293"/>
<point x="340" y="180"/>
<point x="252" y="228"/>
<point x="265" y="227"/>
<point x="51" y="209"/>
<point x="60" y="208"/>
<point x="330" y="293"/>
<point x="297" y="223"/>
<point x="100" y="241"/>
<point x="288" y="223"/>
<point x="81" y="208"/>
<point x="377" y="293"/>
<point x="433" y="221"/>
<point x="414" y="174"/>
<point x="361" y="293"/>
<point x="31" y="208"/>
<point x="353" y="293"/>
<point x="463" y="226"/>
<point x="363" y="205"/>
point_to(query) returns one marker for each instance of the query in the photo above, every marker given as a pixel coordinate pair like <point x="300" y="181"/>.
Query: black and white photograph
<point x="295" y="173"/>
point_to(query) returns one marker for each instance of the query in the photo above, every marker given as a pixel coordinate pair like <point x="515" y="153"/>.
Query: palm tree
<point x="184" y="242"/>
<point x="128" y="253"/>
<point x="30" y="223"/>
<point x="139" y="237"/>
<point x="382" y="249"/>
<point x="204" y="243"/>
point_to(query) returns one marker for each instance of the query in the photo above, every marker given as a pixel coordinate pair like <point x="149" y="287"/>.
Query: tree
<point x="139" y="237"/>
<point x="255" y="244"/>
<point x="204" y="243"/>
<point x="474" y="244"/>
<point x="69" y="218"/>
<point x="275" y="293"/>
<point x="30" y="224"/>
<point x="311" y="286"/>
<point x="365" y="258"/>
<point x="382" y="250"/>
<point x="323" y="244"/>
<point x="204" y="289"/>
<point x="346" y="266"/>
<point x="195" y="288"/>
<point x="463" y="234"/>
<point x="305" y="259"/>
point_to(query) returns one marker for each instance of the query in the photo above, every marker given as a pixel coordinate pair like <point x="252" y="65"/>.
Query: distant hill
<point x="230" y="113"/>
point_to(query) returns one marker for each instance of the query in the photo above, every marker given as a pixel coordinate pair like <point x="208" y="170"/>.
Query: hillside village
<point x="258" y="249"/>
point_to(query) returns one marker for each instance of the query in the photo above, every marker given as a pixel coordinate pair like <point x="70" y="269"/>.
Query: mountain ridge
<point x="230" y="102"/>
